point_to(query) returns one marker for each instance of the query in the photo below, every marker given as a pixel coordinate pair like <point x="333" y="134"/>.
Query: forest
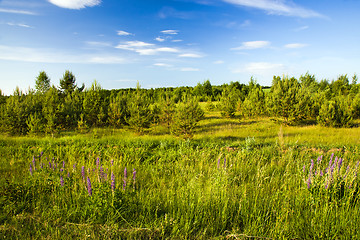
<point x="48" y="109"/>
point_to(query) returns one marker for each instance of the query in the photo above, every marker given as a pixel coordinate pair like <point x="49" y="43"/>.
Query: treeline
<point x="48" y="109"/>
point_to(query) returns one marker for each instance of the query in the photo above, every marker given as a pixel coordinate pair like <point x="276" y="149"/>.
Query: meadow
<point x="236" y="179"/>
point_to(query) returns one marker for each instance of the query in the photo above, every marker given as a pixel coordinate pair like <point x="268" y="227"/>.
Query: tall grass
<point x="241" y="181"/>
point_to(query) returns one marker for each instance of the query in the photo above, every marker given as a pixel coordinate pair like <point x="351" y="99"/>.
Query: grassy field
<point x="236" y="179"/>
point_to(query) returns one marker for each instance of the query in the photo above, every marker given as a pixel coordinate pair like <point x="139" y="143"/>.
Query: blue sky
<point x="176" y="42"/>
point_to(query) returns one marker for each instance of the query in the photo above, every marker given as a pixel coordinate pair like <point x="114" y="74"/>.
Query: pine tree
<point x="42" y="83"/>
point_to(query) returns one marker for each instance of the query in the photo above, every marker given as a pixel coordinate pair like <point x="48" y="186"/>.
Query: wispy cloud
<point x="123" y="33"/>
<point x="169" y="12"/>
<point x="171" y="32"/>
<point x="267" y="69"/>
<point x="16" y="11"/>
<point x="277" y="7"/>
<point x="162" y="65"/>
<point x="19" y="25"/>
<point x="144" y="48"/>
<point x="177" y="40"/>
<point x="252" y="45"/>
<point x="295" y="45"/>
<point x="218" y="62"/>
<point x="25" y="54"/>
<point x="160" y="39"/>
<point x="191" y="55"/>
<point x="189" y="69"/>
<point x="302" y="28"/>
<point x="75" y="4"/>
<point x="98" y="44"/>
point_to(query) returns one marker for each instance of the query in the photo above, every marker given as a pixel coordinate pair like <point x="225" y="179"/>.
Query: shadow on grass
<point x="213" y="125"/>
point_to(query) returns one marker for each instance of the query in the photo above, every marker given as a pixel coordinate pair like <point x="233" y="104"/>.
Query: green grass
<point x="184" y="189"/>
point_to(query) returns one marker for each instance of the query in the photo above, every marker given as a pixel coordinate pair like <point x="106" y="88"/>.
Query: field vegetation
<point x="209" y="162"/>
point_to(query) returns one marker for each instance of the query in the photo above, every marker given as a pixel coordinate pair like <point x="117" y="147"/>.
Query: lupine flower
<point x="125" y="177"/>
<point x="112" y="162"/>
<point x="224" y="162"/>
<point x="311" y="166"/>
<point x="31" y="169"/>
<point x="41" y="165"/>
<point x="83" y="172"/>
<point x="309" y="182"/>
<point x="89" y="186"/>
<point x="304" y="168"/>
<point x="61" y="170"/>
<point x="218" y="163"/>
<point x="74" y="166"/>
<point x="97" y="163"/>
<point x="63" y="164"/>
<point x="321" y="173"/>
<point x="49" y="164"/>
<point x="340" y="163"/>
<point x="41" y="154"/>
<point x="34" y="163"/>
<point x="68" y="175"/>
<point x="101" y="173"/>
<point x="61" y="181"/>
<point x="112" y="181"/>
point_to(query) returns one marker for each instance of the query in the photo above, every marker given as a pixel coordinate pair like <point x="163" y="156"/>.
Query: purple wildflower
<point x="311" y="166"/>
<point x="83" y="172"/>
<point x="68" y="175"/>
<point x="74" y="166"/>
<point x="61" y="170"/>
<point x="101" y="174"/>
<point x="41" y="154"/>
<point x="125" y="177"/>
<point x="63" y="164"/>
<point x="31" y="169"/>
<point x="61" y="181"/>
<point x="97" y="163"/>
<point x="224" y="162"/>
<point x="112" y="181"/>
<point x="218" y="163"/>
<point x="49" y="164"/>
<point x="33" y="161"/>
<point x="112" y="162"/>
<point x="321" y="173"/>
<point x="309" y="182"/>
<point x="89" y="186"/>
<point x="340" y="163"/>
<point x="304" y="168"/>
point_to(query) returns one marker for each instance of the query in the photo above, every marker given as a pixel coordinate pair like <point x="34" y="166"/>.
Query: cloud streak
<point x="75" y="4"/>
<point x="144" y="48"/>
<point x="277" y="7"/>
<point x="252" y="45"/>
<point x="15" y="11"/>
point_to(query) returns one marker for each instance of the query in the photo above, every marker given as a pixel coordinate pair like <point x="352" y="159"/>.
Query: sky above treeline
<point x="169" y="43"/>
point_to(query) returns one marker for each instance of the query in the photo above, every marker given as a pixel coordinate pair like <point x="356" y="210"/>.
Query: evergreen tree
<point x="68" y="83"/>
<point x="118" y="112"/>
<point x="42" y="83"/>
<point x="52" y="110"/>
<point x="93" y="110"/>
<point x="186" y="117"/>
<point x="228" y="102"/>
<point x="139" y="110"/>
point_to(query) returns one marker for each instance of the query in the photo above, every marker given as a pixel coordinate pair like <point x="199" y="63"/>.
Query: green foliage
<point x="288" y="100"/>
<point x="93" y="110"/>
<point x="254" y="103"/>
<point x="334" y="113"/>
<point x="118" y="110"/>
<point x="228" y="102"/>
<point x="167" y="110"/>
<point x="139" y="111"/>
<point x="186" y="117"/>
<point x="52" y="110"/>
<point x="42" y="82"/>
<point x="68" y="83"/>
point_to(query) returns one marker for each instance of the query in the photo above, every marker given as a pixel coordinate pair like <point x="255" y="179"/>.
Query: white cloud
<point x="123" y="33"/>
<point x="260" y="68"/>
<point x="301" y="28"/>
<point x="218" y="62"/>
<point x="160" y="39"/>
<point x="98" y="44"/>
<point x="37" y="55"/>
<point x="177" y="40"/>
<point x="4" y="10"/>
<point x="162" y="65"/>
<point x="252" y="45"/>
<point x="171" y="32"/>
<point x="190" y="55"/>
<point x="144" y="48"/>
<point x="277" y="7"/>
<point x="295" y="45"/>
<point x="75" y="4"/>
<point x="18" y="25"/>
<point x="189" y="69"/>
